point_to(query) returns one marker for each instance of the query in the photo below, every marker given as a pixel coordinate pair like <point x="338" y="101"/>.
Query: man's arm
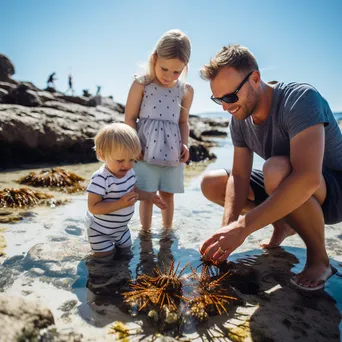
<point x="306" y="157"/>
<point x="238" y="185"/>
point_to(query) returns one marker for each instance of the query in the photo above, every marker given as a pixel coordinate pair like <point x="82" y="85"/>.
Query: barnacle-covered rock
<point x="21" y="198"/>
<point x="55" y="178"/>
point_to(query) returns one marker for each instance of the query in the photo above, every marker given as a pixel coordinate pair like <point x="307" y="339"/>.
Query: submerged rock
<point x="21" y="319"/>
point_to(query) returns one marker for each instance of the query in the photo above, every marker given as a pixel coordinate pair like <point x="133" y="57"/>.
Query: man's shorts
<point x="332" y="206"/>
<point x="151" y="178"/>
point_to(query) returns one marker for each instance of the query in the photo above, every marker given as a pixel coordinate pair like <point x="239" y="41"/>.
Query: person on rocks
<point x="112" y="191"/>
<point x="51" y="80"/>
<point x="70" y="84"/>
<point x="158" y="106"/>
<point x="300" y="186"/>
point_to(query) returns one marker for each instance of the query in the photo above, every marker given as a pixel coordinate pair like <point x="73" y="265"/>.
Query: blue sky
<point x="105" y="42"/>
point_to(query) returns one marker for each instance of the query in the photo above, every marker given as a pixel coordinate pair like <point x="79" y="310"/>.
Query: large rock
<point x="47" y="127"/>
<point x="23" y="95"/>
<point x="6" y="69"/>
<point x="54" y="133"/>
<point x="21" y="319"/>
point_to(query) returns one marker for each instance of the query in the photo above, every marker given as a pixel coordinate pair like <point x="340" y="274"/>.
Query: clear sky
<point x="104" y="42"/>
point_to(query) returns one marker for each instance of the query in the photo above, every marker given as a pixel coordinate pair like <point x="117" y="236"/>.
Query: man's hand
<point x="221" y="244"/>
<point x="158" y="202"/>
<point x="128" y="199"/>
<point x="184" y="156"/>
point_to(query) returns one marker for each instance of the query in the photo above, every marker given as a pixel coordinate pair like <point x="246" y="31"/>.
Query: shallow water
<point x="64" y="280"/>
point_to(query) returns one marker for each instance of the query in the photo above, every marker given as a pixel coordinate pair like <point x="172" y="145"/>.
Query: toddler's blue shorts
<point x="152" y="178"/>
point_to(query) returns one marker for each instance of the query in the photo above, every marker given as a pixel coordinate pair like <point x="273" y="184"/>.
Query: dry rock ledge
<point x="46" y="126"/>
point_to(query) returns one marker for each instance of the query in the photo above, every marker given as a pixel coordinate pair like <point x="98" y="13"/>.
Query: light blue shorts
<point x="152" y="178"/>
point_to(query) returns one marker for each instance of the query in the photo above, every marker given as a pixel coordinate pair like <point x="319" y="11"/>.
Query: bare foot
<point x="281" y="231"/>
<point x="313" y="277"/>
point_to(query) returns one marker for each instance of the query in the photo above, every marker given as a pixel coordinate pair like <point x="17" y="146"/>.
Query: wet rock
<point x="199" y="151"/>
<point x="58" y="260"/>
<point x="21" y="319"/>
<point x="207" y="126"/>
<point x="51" y="334"/>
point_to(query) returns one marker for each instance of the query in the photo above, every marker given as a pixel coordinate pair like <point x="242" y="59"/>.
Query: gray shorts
<point x="332" y="206"/>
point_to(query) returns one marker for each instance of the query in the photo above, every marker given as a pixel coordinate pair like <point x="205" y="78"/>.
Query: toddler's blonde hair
<point x="116" y="137"/>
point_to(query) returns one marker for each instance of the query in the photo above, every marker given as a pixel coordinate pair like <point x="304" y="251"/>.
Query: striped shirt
<point x="110" y="188"/>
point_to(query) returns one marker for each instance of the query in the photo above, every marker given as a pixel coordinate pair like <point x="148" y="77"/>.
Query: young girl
<point x="161" y="102"/>
<point x="112" y="192"/>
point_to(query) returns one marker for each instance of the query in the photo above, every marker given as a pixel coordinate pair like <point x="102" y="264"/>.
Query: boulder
<point x="6" y="69"/>
<point x="21" y="319"/>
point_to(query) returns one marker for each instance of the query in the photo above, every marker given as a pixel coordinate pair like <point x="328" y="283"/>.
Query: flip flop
<point x="327" y="274"/>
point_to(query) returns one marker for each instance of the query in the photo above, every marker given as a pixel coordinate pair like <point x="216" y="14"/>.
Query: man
<point x="300" y="187"/>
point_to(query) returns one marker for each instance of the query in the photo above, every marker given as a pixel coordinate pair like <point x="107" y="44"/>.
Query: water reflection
<point x="105" y="280"/>
<point x="149" y="258"/>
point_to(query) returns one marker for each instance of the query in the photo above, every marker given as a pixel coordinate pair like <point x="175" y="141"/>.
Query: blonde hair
<point x="172" y="44"/>
<point x="116" y="137"/>
<point x="235" y="56"/>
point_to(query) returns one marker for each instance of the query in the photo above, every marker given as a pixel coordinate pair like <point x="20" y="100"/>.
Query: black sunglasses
<point x="231" y="97"/>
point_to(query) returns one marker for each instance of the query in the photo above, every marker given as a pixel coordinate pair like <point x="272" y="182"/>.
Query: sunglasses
<point x="231" y="97"/>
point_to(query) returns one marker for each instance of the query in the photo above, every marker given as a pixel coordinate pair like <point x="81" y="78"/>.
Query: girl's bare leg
<point x="167" y="213"/>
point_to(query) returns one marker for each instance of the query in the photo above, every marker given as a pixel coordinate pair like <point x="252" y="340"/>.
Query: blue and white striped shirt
<point x="110" y="188"/>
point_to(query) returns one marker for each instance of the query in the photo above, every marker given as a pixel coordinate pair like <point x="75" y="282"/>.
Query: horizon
<point x="107" y="42"/>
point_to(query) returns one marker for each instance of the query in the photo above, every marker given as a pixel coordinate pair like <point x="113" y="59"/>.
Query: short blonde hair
<point x="171" y="45"/>
<point x="235" y="56"/>
<point x="116" y="137"/>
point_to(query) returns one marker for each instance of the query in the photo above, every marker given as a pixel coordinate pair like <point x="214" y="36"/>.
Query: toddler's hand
<point x="184" y="156"/>
<point x="159" y="202"/>
<point x="129" y="199"/>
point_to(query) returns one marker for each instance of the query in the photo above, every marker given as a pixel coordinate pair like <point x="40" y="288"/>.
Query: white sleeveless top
<point x="158" y="125"/>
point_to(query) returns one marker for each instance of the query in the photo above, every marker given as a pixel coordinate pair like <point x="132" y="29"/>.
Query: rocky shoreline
<point x="48" y="127"/>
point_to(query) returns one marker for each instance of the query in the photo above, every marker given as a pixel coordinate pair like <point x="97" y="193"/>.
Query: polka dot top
<point x="158" y="125"/>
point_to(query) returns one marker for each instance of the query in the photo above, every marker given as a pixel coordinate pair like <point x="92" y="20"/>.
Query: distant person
<point x="161" y="102"/>
<point x="299" y="188"/>
<point x="86" y="93"/>
<point x="51" y="80"/>
<point x="70" y="84"/>
<point x="112" y="192"/>
<point x="98" y="91"/>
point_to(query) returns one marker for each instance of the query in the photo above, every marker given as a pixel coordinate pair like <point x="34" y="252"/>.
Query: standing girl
<point x="161" y="102"/>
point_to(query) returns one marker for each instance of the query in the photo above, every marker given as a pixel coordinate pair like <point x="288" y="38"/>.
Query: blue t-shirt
<point x="295" y="107"/>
